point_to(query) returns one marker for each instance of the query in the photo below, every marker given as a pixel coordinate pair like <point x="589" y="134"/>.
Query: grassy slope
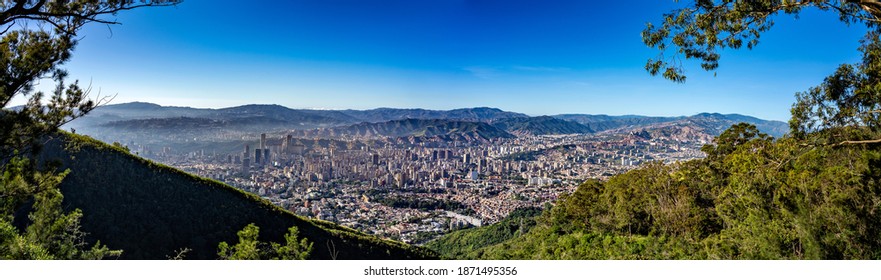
<point x="150" y="210"/>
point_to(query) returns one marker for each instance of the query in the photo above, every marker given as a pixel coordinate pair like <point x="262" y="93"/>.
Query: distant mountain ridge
<point x="478" y="114"/>
<point x="140" y="117"/>
<point x="711" y="123"/>
<point x="318" y="118"/>
<point x="414" y="127"/>
<point x="541" y="126"/>
<point x="604" y="122"/>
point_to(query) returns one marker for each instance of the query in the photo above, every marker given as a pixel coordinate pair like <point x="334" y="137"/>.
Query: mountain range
<point x="147" y="118"/>
<point x="413" y="127"/>
<point x="712" y="123"/>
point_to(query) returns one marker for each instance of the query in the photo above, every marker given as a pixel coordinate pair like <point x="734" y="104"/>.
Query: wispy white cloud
<point x="482" y="72"/>
<point x="491" y="72"/>
<point x="540" y="68"/>
<point x="581" y="83"/>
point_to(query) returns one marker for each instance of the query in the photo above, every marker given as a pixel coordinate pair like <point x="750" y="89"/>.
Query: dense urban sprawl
<point x="415" y="191"/>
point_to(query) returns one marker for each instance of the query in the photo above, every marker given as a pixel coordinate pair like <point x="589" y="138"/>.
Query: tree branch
<point x="875" y="13"/>
<point x="90" y="14"/>
<point x="856" y="142"/>
<point x="873" y="7"/>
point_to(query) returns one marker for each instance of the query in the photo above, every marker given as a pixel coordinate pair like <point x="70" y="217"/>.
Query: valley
<point x="401" y="177"/>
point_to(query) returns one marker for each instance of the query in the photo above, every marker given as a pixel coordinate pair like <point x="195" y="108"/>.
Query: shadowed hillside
<point x="150" y="211"/>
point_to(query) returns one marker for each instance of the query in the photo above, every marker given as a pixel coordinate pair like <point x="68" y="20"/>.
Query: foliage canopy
<point x="705" y="27"/>
<point x="249" y="248"/>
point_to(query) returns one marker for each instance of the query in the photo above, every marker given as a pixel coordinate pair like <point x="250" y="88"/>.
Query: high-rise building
<point x="401" y="179"/>
<point x="247" y="153"/>
<point x="263" y="141"/>
<point x="246" y="165"/>
<point x="266" y="156"/>
<point x="258" y="156"/>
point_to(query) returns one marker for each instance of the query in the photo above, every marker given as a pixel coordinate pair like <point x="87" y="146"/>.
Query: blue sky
<point x="535" y="57"/>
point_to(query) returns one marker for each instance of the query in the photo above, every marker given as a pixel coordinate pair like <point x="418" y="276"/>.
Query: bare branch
<point x="873" y="7"/>
<point x="331" y="247"/>
<point x="857" y="142"/>
<point x="874" y="18"/>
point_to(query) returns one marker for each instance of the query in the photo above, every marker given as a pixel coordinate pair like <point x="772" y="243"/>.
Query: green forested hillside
<point x="753" y="197"/>
<point x="464" y="244"/>
<point x="151" y="211"/>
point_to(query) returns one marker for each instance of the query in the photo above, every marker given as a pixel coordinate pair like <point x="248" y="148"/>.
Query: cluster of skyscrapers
<point x="261" y="155"/>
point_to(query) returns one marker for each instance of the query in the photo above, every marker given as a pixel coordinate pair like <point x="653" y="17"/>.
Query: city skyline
<point x="531" y="57"/>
